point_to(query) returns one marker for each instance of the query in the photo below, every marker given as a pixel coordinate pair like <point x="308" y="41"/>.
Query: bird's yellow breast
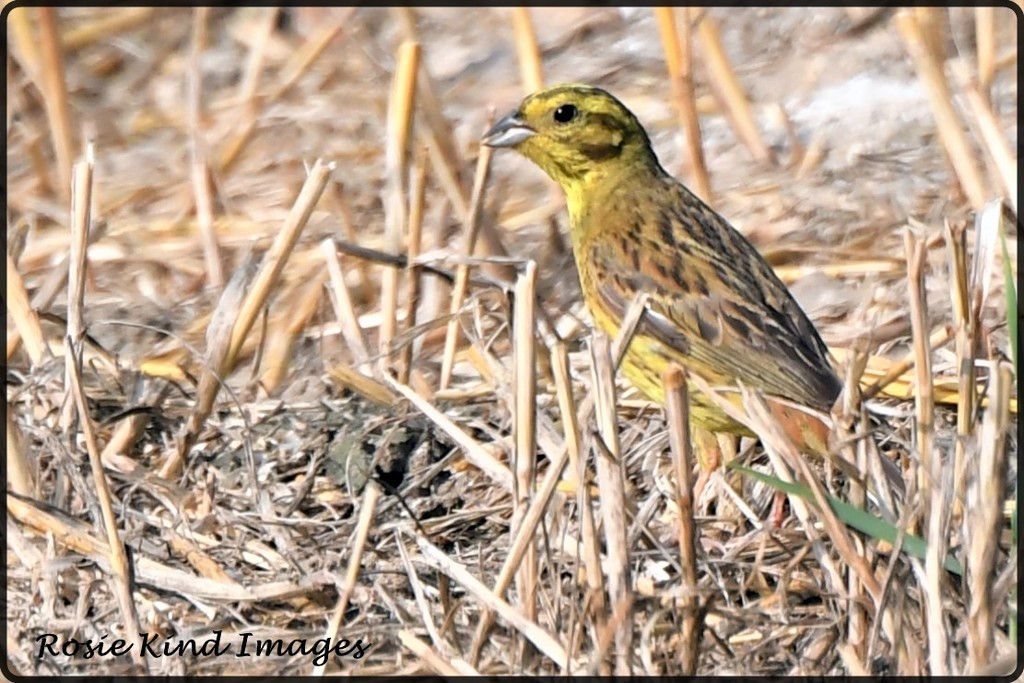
<point x="646" y="358"/>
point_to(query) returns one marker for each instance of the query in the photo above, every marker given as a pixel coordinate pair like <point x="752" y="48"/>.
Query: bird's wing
<point x="716" y="305"/>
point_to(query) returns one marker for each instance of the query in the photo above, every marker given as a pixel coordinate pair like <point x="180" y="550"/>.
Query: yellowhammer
<point x="715" y="306"/>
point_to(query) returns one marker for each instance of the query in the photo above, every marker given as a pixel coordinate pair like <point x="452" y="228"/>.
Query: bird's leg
<point x="713" y="449"/>
<point x="709" y="456"/>
<point x="778" y="510"/>
<point x="706" y="447"/>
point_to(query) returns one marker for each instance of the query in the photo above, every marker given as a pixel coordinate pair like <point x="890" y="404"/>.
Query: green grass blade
<point x="855" y="518"/>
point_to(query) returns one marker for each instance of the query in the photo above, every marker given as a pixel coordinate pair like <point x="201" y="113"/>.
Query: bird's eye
<point x="566" y="113"/>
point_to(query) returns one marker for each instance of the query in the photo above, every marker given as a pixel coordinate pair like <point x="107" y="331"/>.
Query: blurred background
<point x="835" y="144"/>
<point x="823" y="134"/>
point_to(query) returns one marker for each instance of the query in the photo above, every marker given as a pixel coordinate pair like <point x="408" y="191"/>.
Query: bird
<point x="714" y="305"/>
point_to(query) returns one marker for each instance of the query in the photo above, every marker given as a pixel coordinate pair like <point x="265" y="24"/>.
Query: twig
<point x="611" y="479"/>
<point x="985" y="513"/>
<point x="118" y="558"/>
<point x="524" y="538"/>
<point x="419" y="593"/>
<point x="362" y="532"/>
<point x="545" y="641"/>
<point x="797" y="151"/>
<point x="525" y="428"/>
<point x="588" y="526"/>
<point x="238" y="308"/>
<point x="966" y="345"/>
<point x="276" y="257"/>
<point x="677" y="415"/>
<point x="348" y="226"/>
<point x="476" y="454"/>
<point x="81" y="199"/>
<point x="36" y="157"/>
<point x="931" y="21"/>
<point x="471" y="227"/>
<point x="217" y="363"/>
<point x="431" y="658"/>
<point x="757" y="417"/>
<point x="278" y="353"/>
<point x="342" y="301"/>
<point x="257" y="54"/>
<point x="938" y="338"/>
<point x="413" y="272"/>
<point x="81" y="221"/>
<point x="929" y="476"/>
<point x="104" y="26"/>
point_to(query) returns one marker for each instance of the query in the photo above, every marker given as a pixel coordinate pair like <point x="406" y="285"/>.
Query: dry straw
<point x="447" y="162"/>
<point x="611" y="480"/>
<point x="58" y="110"/>
<point x="240" y="304"/>
<point x="919" y="39"/>
<point x="679" y="59"/>
<point x="531" y="71"/>
<point x="472" y="230"/>
<point x="368" y="508"/>
<point x="677" y="413"/>
<point x="519" y="514"/>
<point x="26" y="320"/>
<point x="400" y="114"/>
<point x="524" y="430"/>
<point x="200" y="169"/>
<point x="728" y="90"/>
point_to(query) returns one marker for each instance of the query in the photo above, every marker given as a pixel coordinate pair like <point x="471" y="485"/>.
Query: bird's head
<point x="572" y="131"/>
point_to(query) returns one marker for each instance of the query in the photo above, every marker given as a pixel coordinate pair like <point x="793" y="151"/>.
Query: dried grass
<point x="289" y="437"/>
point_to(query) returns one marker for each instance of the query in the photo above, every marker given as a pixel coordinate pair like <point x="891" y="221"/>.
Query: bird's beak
<point x="508" y="132"/>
